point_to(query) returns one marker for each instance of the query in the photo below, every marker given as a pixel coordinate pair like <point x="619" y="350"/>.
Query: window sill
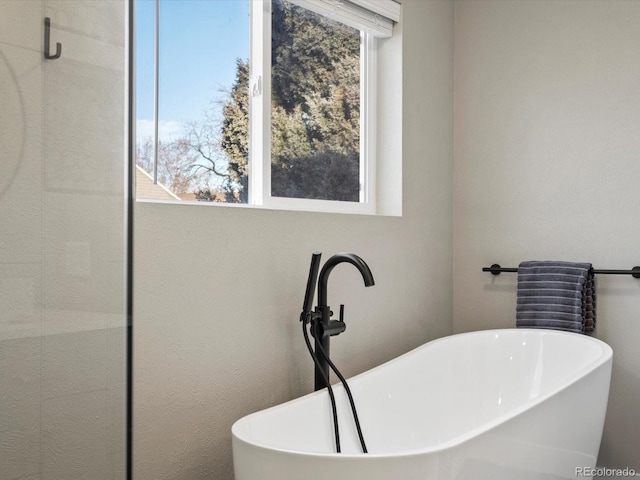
<point x="312" y="206"/>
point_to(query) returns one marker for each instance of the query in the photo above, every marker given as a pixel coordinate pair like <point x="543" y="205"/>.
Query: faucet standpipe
<point x="323" y="328"/>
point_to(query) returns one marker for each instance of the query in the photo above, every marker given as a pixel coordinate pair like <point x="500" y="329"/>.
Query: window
<point x="289" y="123"/>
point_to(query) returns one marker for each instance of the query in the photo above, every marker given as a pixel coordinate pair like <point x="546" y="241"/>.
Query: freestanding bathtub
<point x="513" y="404"/>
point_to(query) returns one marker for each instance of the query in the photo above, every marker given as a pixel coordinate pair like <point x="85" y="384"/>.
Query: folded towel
<point x="556" y="295"/>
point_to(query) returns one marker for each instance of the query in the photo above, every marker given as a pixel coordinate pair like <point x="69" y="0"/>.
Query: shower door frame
<point x="130" y="201"/>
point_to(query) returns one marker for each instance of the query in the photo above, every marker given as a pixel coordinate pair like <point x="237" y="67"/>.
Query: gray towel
<point x="556" y="295"/>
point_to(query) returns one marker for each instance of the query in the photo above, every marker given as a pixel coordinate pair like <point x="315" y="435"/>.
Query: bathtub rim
<point x="606" y="357"/>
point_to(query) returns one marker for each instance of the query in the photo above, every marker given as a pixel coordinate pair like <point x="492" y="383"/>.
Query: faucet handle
<point x="336" y="327"/>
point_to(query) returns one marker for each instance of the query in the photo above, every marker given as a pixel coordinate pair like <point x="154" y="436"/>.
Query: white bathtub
<point x="497" y="405"/>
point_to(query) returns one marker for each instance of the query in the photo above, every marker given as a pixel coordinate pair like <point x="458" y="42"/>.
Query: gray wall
<point x="547" y="109"/>
<point x="219" y="289"/>
<point x="544" y="166"/>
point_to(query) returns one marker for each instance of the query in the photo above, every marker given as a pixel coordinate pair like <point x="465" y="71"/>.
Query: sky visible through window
<point x="200" y="41"/>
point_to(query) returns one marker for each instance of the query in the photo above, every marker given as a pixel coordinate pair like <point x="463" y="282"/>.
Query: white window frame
<point x="260" y="122"/>
<point x="380" y="94"/>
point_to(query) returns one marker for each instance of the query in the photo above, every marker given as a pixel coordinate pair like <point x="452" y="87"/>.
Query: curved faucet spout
<point x="338" y="258"/>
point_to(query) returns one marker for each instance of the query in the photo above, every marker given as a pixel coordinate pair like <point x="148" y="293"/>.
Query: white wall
<point x="547" y="109"/>
<point x="219" y="290"/>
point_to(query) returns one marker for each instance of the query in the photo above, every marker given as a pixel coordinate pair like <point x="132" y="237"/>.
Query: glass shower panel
<point x="63" y="229"/>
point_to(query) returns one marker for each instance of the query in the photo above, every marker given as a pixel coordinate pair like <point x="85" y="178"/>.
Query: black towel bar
<point x="496" y="269"/>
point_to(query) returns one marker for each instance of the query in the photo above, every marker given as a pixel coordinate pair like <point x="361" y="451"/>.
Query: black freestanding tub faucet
<point x="322" y="327"/>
